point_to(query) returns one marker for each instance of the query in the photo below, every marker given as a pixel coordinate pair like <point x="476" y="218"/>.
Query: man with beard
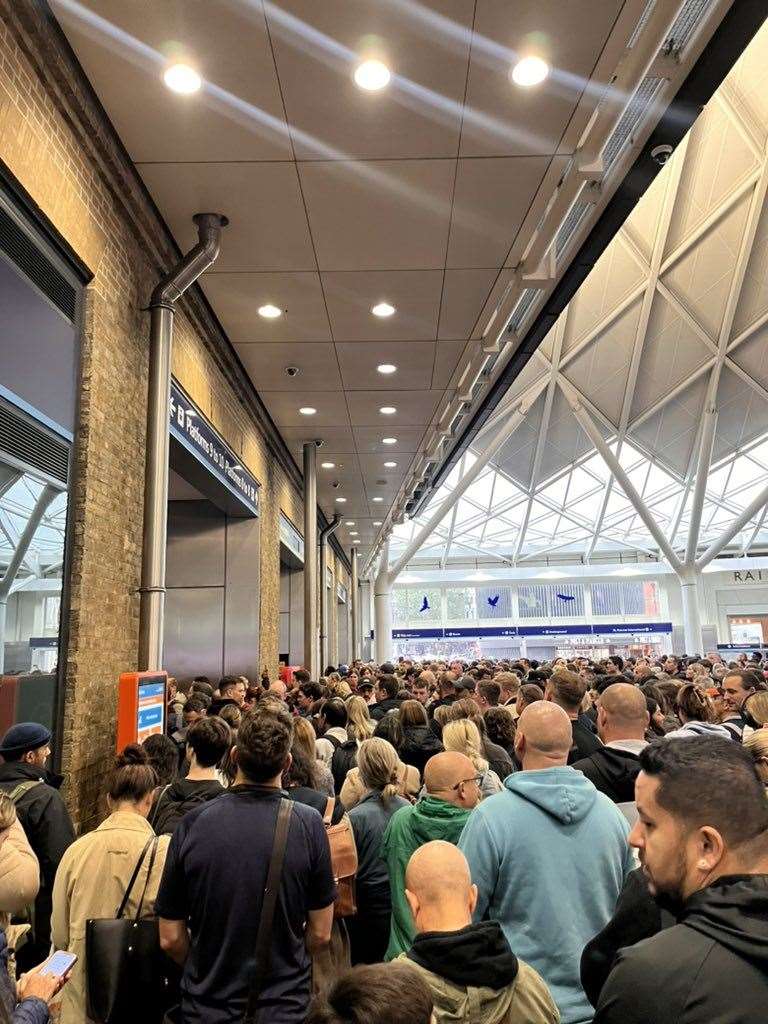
<point x="702" y="838"/>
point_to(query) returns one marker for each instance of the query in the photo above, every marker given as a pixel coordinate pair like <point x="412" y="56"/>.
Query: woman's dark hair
<point x="390" y="729"/>
<point x="264" y="740"/>
<point x="500" y="727"/>
<point x="412" y="713"/>
<point x="393" y="993"/>
<point x="202" y="686"/>
<point x="163" y="755"/>
<point x="134" y="777"/>
<point x="696" y="705"/>
<point x="655" y="692"/>
<point x="302" y="771"/>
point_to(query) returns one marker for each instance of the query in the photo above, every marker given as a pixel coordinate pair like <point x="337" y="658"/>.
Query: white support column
<point x="354" y="605"/>
<point x="699" y="491"/>
<point x="382" y="600"/>
<point x="3" y="610"/>
<point x="689" y="589"/>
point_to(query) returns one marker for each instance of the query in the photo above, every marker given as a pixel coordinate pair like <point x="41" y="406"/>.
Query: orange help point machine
<point x="141" y="706"/>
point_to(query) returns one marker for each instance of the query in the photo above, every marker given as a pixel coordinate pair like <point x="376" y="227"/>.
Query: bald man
<point x="452" y="786"/>
<point x="549" y="855"/>
<point x="622" y="719"/>
<point x="470" y="968"/>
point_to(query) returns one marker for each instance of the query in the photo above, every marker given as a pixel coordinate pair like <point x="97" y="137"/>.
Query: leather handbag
<point x="128" y="977"/>
<point x="341" y="840"/>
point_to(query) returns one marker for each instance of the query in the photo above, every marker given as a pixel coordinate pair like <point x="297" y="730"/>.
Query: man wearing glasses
<point x="453" y="789"/>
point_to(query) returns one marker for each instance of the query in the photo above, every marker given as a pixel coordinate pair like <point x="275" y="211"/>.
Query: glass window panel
<point x="565" y="600"/>
<point x="461" y="603"/>
<point x="494" y="602"/>
<point x="424" y="605"/>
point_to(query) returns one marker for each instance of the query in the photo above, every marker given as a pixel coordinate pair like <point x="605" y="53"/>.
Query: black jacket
<point x="172" y="802"/>
<point x="709" y="968"/>
<point x="585" y="742"/>
<point x="637" y="916"/>
<point x="498" y="759"/>
<point x="477" y="955"/>
<point x="419" y="744"/>
<point x="377" y="711"/>
<point x="612" y="771"/>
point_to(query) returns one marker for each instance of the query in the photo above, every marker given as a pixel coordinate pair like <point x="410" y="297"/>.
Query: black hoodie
<point x="476" y="955"/>
<point x="612" y="771"/>
<point x="710" y="968"/>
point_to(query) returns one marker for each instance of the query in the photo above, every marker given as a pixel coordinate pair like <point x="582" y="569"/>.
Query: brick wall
<point x="53" y="139"/>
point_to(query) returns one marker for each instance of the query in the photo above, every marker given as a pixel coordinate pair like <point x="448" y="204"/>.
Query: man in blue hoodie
<point x="549" y="855"/>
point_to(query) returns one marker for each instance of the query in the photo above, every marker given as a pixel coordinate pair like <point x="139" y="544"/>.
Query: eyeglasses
<point x="477" y="779"/>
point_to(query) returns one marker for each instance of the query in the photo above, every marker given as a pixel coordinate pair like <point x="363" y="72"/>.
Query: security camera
<point x="661" y="154"/>
<point x="292" y="371"/>
<point x="319" y="442"/>
<point x="335" y="484"/>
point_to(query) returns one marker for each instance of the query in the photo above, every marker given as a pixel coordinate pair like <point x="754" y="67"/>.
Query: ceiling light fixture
<point x="390" y="465"/>
<point x="387" y="410"/>
<point x="530" y="71"/>
<point x="182" y="78"/>
<point x="350" y="522"/>
<point x="340" y="501"/>
<point x="386" y="368"/>
<point x="372" y="75"/>
<point x="382" y="309"/>
<point x="377" y="522"/>
<point x="355" y="541"/>
<point x="353" y="533"/>
<point x="377" y="499"/>
<point x="270" y="312"/>
<point x="328" y="465"/>
<point x="307" y="410"/>
<point x="389" y="440"/>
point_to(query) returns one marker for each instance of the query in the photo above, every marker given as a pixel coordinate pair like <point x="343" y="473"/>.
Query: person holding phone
<point x="30" y="999"/>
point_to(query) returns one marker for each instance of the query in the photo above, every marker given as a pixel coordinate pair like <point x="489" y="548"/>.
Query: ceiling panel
<point x="372" y="466"/>
<point x="465" y="293"/>
<point x="490" y="202"/>
<point x="284" y="408"/>
<point x="502" y="120"/>
<point x="368" y="440"/>
<point x="261" y="235"/>
<point x="414" y="360"/>
<point x="353" y="208"/>
<point x="318" y="44"/>
<point x="237" y="298"/>
<point x="414" y="294"/>
<point x="124" y="48"/>
<point x="337" y="439"/>
<point x="266" y="363"/>
<point x="447" y="357"/>
<point x="413" y="408"/>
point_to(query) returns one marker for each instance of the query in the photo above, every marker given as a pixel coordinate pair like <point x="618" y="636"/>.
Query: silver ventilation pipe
<point x="162" y="308"/>
<point x="325" y="608"/>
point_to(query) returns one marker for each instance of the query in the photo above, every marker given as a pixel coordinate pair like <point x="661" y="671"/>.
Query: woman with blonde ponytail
<point x="464" y="737"/>
<point x="378" y="766"/>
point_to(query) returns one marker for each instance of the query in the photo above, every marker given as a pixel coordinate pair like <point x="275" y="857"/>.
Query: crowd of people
<point x="495" y="842"/>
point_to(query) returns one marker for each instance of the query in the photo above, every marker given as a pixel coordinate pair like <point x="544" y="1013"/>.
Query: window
<point x="461" y="603"/>
<point x="416" y="606"/>
<point x="494" y="602"/>
<point x="627" y="599"/>
<point x="548" y="601"/>
<point x="51" y="614"/>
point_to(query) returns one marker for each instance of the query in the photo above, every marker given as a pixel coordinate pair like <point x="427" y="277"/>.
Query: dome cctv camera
<point x="335" y="484"/>
<point x="319" y="442"/>
<point x="292" y="371"/>
<point x="661" y="154"/>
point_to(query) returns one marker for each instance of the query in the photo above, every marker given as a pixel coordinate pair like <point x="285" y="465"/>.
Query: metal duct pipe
<point x="310" y="559"/>
<point x="162" y="309"/>
<point x="354" y="604"/>
<point x="324" y="606"/>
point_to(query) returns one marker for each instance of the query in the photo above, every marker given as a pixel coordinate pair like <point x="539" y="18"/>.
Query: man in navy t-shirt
<point x="210" y="896"/>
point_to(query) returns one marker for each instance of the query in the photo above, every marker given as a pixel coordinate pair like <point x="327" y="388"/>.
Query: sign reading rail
<point x="191" y="429"/>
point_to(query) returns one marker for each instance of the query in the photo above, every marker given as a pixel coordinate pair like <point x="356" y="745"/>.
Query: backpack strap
<point x="23" y="787"/>
<point x="153" y="819"/>
<point x="271" y="891"/>
<point x="329" y="808"/>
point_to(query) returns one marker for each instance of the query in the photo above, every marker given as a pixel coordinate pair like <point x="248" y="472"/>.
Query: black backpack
<point x="169" y="812"/>
<point x="344" y="758"/>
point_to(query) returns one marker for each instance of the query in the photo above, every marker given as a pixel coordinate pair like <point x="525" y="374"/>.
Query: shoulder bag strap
<point x="23" y="787"/>
<point x="152" y="856"/>
<point x="331" y="803"/>
<point x="271" y="891"/>
<point x="134" y="876"/>
<point x="153" y="819"/>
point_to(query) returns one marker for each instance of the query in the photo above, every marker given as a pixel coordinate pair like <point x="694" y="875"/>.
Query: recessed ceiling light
<point x="390" y="465"/>
<point x="270" y="312"/>
<point x="530" y="71"/>
<point x="377" y="499"/>
<point x="377" y="522"/>
<point x="389" y="440"/>
<point x="307" y="410"/>
<point x="386" y="368"/>
<point x="372" y="75"/>
<point x="182" y="78"/>
<point x="328" y="465"/>
<point x="353" y="533"/>
<point x="350" y="522"/>
<point x="382" y="309"/>
<point x="340" y="501"/>
<point x="387" y="410"/>
<point x="355" y="541"/>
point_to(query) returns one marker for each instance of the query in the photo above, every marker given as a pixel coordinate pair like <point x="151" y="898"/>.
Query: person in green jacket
<point x="453" y="789"/>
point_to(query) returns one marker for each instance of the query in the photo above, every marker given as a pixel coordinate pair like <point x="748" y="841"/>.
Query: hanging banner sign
<point x="195" y="433"/>
<point x="575" y="630"/>
<point x="290" y="537"/>
<point x="341" y="593"/>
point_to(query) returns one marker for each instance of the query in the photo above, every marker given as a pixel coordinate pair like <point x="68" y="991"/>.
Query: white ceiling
<point x="676" y="308"/>
<point x="424" y="194"/>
